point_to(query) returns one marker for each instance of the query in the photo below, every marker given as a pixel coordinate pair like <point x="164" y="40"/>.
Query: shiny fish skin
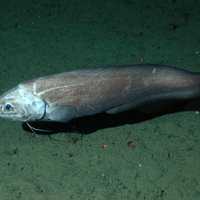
<point x="62" y="97"/>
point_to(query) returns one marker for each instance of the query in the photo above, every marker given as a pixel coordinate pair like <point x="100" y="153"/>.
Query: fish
<point x="85" y="92"/>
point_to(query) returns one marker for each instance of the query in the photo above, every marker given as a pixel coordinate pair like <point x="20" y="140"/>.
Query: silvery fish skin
<point x="65" y="96"/>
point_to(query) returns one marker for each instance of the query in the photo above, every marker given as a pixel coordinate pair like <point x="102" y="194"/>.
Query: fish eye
<point x="8" y="107"/>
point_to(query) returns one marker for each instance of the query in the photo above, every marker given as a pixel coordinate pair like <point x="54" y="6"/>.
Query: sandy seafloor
<point x="43" y="37"/>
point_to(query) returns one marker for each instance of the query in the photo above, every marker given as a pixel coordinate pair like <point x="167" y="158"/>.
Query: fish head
<point x="21" y="104"/>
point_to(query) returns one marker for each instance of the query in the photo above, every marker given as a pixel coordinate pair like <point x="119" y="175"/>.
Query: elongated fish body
<point x="114" y="89"/>
<point x="62" y="97"/>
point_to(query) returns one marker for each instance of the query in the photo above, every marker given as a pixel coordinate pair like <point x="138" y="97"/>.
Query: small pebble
<point x="141" y="59"/>
<point x="104" y="146"/>
<point x="131" y="144"/>
<point x="139" y="165"/>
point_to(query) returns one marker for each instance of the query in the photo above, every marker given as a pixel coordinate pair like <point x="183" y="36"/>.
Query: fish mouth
<point x="9" y="116"/>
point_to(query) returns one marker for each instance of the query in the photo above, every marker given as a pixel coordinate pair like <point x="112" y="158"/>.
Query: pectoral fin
<point x="61" y="113"/>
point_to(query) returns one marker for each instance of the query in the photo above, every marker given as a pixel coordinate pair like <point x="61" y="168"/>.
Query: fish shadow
<point x="90" y="124"/>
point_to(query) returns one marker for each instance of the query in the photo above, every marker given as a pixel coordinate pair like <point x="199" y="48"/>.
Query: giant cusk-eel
<point x="65" y="96"/>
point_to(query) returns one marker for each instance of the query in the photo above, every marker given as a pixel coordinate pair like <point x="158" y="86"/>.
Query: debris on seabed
<point x="131" y="144"/>
<point x="104" y="146"/>
<point x="139" y="164"/>
<point x="141" y="59"/>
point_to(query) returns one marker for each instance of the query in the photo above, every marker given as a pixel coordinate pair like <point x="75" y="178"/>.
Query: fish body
<point x="65" y="96"/>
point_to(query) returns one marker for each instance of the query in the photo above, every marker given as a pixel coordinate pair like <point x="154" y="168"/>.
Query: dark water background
<point x="157" y="159"/>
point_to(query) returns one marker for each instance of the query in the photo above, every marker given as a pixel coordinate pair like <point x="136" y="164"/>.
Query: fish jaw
<point x="21" y="105"/>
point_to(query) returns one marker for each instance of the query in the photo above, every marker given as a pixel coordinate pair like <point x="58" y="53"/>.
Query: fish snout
<point x="8" y="109"/>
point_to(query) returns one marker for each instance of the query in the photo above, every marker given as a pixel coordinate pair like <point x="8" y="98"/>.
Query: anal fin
<point x="121" y="108"/>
